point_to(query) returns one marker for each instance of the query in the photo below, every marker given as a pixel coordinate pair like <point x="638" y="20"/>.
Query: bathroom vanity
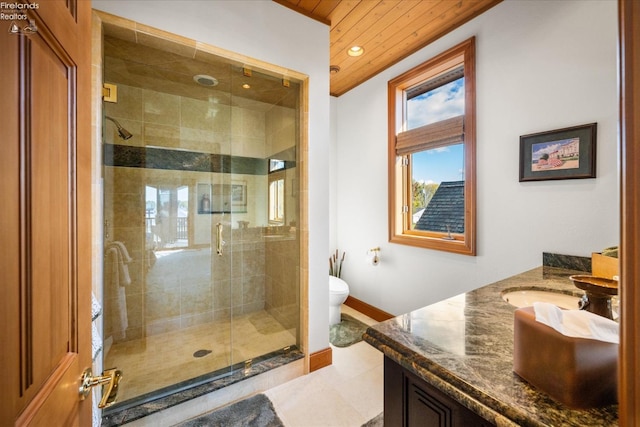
<point x="451" y="363"/>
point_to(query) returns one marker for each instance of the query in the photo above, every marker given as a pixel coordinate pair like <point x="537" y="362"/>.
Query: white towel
<point x="96" y="336"/>
<point x="96" y="308"/>
<point x="123" y="259"/>
<point x="577" y="323"/>
<point x="117" y="294"/>
<point x="123" y="250"/>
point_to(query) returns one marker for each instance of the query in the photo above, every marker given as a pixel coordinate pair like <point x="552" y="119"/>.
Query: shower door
<point x="201" y="270"/>
<point x="262" y="237"/>
<point x="167" y="293"/>
<point x="167" y="306"/>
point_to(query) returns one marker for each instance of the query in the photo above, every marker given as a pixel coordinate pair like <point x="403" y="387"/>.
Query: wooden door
<point x="45" y="220"/>
<point x="629" y="54"/>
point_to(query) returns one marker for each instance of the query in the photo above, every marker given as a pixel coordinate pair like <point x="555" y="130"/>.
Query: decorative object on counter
<point x="606" y="263"/>
<point x="568" y="153"/>
<point x="348" y="332"/>
<point x="610" y="252"/>
<point x="373" y="256"/>
<point x="335" y="264"/>
<point x="580" y="373"/>
<point x="598" y="293"/>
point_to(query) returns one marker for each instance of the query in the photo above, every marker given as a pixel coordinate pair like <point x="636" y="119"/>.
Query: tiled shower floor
<point x="158" y="361"/>
<point x="347" y="393"/>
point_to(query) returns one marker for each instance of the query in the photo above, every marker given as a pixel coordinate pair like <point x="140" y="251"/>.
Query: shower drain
<point x="201" y="353"/>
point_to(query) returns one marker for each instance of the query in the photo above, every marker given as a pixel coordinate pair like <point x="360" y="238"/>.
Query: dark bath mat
<point x="377" y="421"/>
<point x="256" y="411"/>
<point x="349" y="331"/>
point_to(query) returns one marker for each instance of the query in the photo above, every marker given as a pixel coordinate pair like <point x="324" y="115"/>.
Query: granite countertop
<point x="464" y="347"/>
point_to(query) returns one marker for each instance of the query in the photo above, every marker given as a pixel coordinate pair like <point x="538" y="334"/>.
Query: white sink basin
<point x="525" y="298"/>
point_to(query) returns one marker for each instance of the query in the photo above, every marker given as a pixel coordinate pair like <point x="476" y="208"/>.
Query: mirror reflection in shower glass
<point x="167" y="217"/>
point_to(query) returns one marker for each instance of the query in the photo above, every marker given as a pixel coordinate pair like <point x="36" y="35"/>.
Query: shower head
<point x="205" y="80"/>
<point x="122" y="132"/>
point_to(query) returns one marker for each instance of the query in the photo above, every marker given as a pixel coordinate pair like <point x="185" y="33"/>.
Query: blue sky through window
<point x="444" y="102"/>
<point x="438" y="165"/>
<point x="438" y="104"/>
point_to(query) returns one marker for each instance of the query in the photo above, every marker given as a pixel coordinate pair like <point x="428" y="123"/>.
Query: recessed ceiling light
<point x="333" y="69"/>
<point x="246" y="86"/>
<point x="355" y="51"/>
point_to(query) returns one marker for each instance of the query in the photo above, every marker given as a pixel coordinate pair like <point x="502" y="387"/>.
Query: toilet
<point x="338" y="293"/>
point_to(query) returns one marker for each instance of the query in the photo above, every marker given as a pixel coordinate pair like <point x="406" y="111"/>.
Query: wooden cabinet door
<point x="45" y="216"/>
<point x="409" y="401"/>
<point x="424" y="409"/>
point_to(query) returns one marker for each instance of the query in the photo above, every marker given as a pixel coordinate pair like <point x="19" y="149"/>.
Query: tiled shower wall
<point x="252" y="275"/>
<point x="282" y="294"/>
<point x="171" y="121"/>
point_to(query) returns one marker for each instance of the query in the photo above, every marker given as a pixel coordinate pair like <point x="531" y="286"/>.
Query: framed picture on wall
<point x="222" y="198"/>
<point x="239" y="195"/>
<point x="568" y="153"/>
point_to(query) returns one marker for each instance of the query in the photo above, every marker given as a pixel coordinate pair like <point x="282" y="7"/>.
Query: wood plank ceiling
<point x="388" y="30"/>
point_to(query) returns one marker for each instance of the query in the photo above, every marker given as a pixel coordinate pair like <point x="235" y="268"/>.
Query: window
<point x="432" y="153"/>
<point x="276" y="191"/>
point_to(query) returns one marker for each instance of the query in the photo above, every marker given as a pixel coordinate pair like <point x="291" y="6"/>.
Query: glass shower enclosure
<point x="201" y="255"/>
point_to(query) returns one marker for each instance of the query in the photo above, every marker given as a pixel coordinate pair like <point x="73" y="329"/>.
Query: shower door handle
<point x="219" y="241"/>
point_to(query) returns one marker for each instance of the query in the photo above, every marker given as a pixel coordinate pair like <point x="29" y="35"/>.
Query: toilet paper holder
<point x="373" y="256"/>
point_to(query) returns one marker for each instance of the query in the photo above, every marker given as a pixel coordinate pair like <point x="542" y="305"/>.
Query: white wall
<point x="269" y="32"/>
<point x="333" y="172"/>
<point x="541" y="65"/>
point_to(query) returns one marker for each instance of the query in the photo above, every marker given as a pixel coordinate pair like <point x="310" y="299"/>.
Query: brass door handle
<point x="109" y="380"/>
